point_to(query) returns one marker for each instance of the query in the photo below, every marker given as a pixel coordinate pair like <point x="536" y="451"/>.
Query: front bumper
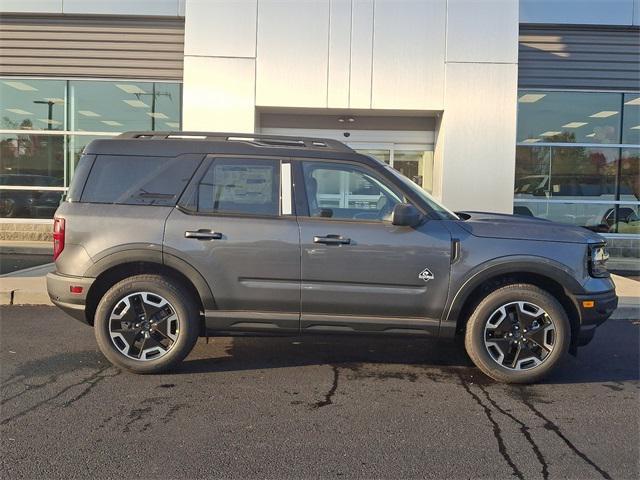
<point x="604" y="304"/>
<point x="59" y="289"/>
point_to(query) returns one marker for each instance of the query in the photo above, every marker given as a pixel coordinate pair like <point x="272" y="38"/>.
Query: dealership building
<point x="529" y="106"/>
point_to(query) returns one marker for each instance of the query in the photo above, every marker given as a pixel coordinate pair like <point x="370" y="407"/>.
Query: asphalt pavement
<point x="309" y="407"/>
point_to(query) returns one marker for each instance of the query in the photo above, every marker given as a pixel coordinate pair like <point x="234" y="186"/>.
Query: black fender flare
<point x="153" y="254"/>
<point x="546" y="267"/>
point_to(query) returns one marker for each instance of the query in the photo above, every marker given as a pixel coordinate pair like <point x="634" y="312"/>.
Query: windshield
<point x="441" y="211"/>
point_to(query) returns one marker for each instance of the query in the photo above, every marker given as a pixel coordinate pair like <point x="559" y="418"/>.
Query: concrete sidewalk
<point x="28" y="287"/>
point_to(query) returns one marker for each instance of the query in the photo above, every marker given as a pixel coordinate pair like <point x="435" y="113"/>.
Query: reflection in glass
<point x="574" y="185"/>
<point x="379" y="154"/>
<point x="416" y="166"/>
<point x="75" y="147"/>
<point x="28" y="203"/>
<point x="631" y="122"/>
<point x="569" y="117"/>
<point x="122" y="106"/>
<point x="28" y="104"/>
<point x="32" y="160"/>
<point x="630" y="174"/>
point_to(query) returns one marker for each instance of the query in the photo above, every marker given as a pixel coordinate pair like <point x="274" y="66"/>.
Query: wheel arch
<point x="118" y="266"/>
<point x="554" y="279"/>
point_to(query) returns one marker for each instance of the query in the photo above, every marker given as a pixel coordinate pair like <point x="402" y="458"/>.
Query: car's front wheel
<point x="518" y="334"/>
<point x="146" y="324"/>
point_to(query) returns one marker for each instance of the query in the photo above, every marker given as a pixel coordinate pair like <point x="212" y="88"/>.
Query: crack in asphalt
<point x="90" y="382"/>
<point x="497" y="432"/>
<point x="551" y="426"/>
<point x="524" y="429"/>
<point x="136" y="415"/>
<point x="143" y="413"/>
<point x="328" y="398"/>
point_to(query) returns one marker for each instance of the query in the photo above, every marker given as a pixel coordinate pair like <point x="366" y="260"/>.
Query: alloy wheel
<point x="143" y="326"/>
<point x="519" y="335"/>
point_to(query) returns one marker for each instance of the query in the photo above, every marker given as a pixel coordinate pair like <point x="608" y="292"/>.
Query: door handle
<point x="332" y="240"/>
<point x="203" y="234"/>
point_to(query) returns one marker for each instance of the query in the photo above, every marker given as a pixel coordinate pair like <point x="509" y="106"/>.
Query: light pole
<point x="50" y="103"/>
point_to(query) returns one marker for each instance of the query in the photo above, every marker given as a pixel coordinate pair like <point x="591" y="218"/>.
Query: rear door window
<point x="239" y="186"/>
<point x="138" y="180"/>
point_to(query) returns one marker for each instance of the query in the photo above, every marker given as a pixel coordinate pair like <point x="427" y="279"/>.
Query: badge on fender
<point x="426" y="275"/>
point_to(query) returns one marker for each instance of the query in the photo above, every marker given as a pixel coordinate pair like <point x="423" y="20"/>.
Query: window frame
<point x="184" y="203"/>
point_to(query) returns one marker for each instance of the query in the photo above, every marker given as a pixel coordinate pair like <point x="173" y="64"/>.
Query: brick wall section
<point x="624" y="247"/>
<point x="32" y="232"/>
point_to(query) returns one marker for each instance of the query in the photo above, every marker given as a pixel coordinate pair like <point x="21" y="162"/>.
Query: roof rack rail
<point x="255" y="139"/>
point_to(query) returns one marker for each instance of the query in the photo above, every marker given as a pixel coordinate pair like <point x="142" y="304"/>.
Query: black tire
<point x="476" y="334"/>
<point x="181" y="303"/>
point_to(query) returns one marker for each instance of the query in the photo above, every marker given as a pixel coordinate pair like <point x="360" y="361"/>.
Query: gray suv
<point x="165" y="237"/>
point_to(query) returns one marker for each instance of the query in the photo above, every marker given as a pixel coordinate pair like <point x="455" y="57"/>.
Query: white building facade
<point x="489" y="104"/>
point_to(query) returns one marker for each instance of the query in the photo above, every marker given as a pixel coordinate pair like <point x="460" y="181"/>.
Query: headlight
<point x="598" y="257"/>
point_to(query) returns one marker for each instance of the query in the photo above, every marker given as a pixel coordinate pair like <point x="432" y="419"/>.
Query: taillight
<point x="58" y="237"/>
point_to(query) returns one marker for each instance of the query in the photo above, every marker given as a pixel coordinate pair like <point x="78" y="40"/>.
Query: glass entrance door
<point x="414" y="161"/>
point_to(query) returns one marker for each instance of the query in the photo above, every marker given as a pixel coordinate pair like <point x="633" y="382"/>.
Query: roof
<point x="171" y="144"/>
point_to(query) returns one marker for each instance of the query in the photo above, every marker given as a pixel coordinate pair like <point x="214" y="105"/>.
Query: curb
<point x="24" y="297"/>
<point x="626" y="311"/>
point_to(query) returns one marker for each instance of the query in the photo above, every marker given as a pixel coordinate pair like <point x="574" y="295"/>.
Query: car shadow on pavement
<point x="248" y="353"/>
<point x="613" y="356"/>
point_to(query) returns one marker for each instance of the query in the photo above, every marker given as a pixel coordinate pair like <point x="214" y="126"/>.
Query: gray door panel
<point x="254" y="266"/>
<point x="375" y="275"/>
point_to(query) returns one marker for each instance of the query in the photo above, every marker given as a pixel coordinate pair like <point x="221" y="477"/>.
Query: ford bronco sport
<point x="164" y="237"/>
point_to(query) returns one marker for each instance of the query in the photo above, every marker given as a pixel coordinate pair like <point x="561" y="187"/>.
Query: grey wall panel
<point x="339" y="53"/>
<point x="31" y="6"/>
<point x="596" y="12"/>
<point x="408" y="54"/>
<point x="292" y="53"/>
<point x="221" y="29"/>
<point x="605" y="58"/>
<point x="361" y="53"/>
<point x="485" y="31"/>
<point x="122" y="7"/>
<point x="109" y="47"/>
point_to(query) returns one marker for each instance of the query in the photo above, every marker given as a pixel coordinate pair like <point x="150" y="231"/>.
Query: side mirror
<point x="405" y="215"/>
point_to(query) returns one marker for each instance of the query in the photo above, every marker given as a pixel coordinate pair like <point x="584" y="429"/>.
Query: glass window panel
<point x="532" y="171"/>
<point x="75" y="147"/>
<point x="27" y="104"/>
<point x="631" y="119"/>
<point x="415" y="165"/>
<point x="569" y="117"/>
<point x="123" y="106"/>
<point x="138" y="180"/>
<point x="584" y="173"/>
<point x="599" y="217"/>
<point x="32" y="160"/>
<point x="630" y="174"/>
<point x="347" y="192"/>
<point x="624" y="218"/>
<point x="574" y="172"/>
<point x="574" y="185"/>
<point x="382" y="155"/>
<point x="242" y="186"/>
<point x="29" y="203"/>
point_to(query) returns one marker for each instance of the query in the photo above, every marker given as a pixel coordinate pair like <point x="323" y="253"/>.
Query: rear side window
<point x="240" y="186"/>
<point x="79" y="178"/>
<point x="136" y="180"/>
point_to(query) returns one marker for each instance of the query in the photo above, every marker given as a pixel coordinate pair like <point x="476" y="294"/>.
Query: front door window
<point x="342" y="191"/>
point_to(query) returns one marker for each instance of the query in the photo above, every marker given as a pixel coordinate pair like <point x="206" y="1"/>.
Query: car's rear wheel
<point x="146" y="324"/>
<point x="518" y="334"/>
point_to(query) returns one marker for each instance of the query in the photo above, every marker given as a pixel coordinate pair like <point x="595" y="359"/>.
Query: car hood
<point x="518" y="227"/>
